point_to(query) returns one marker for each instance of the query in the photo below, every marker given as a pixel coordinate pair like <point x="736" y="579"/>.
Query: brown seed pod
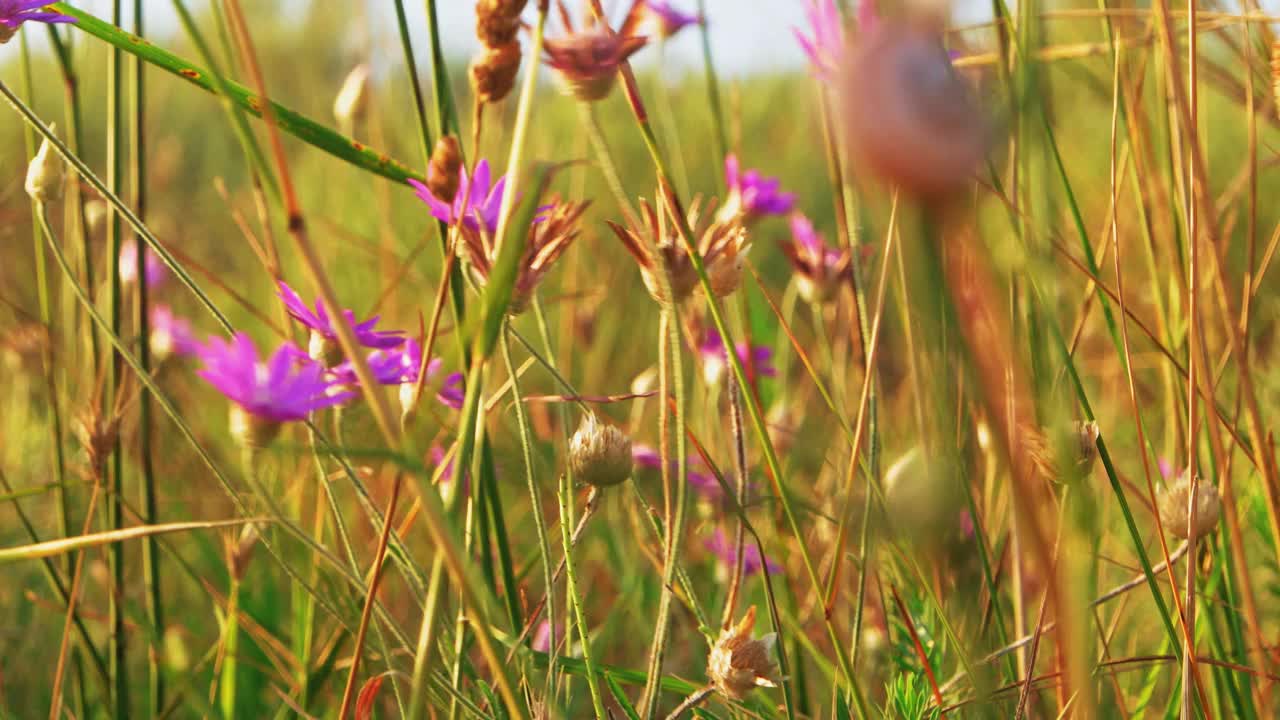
<point x="493" y="72"/>
<point x="442" y="172"/>
<point x="498" y="21"/>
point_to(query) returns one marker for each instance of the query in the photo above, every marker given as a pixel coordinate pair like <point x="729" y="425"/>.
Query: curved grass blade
<point x="49" y="548"/>
<point x="301" y="127"/>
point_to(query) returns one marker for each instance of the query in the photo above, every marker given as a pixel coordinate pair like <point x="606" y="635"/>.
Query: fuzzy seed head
<point x="1174" y="505"/>
<point x="599" y="453"/>
<point x="44" y="175"/>
<point x="493" y="72"/>
<point x="498" y="21"/>
<point x="739" y="663"/>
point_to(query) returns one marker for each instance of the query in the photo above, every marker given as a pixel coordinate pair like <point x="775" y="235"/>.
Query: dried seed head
<point x="599" y="453"/>
<point x="498" y="21"/>
<point x="588" y="61"/>
<point x="493" y="72"/>
<point x="44" y="174"/>
<point x="1174" y="504"/>
<point x="443" y="171"/>
<point x="910" y="117"/>
<point x="97" y="434"/>
<point x="242" y="552"/>
<point x="1088" y="433"/>
<point x="252" y="432"/>
<point x="353" y="99"/>
<point x="738" y="663"/>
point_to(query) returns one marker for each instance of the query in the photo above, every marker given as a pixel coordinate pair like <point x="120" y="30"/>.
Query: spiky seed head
<point x="442" y="172"/>
<point x="493" y="72"/>
<point x="739" y="663"/>
<point x="599" y="453"/>
<point x="98" y="434"/>
<point x="353" y="98"/>
<point x="252" y="432"/>
<point x="44" y="174"/>
<point x="1088" y="433"/>
<point x="1174" y="503"/>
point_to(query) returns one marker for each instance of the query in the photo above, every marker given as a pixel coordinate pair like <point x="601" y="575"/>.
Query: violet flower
<point x="286" y="387"/>
<point x="171" y="334"/>
<point x="476" y="204"/>
<point x="645" y="457"/>
<point x="722" y="547"/>
<point x="819" y="267"/>
<point x="757" y="359"/>
<point x="15" y="12"/>
<point x="399" y="366"/>
<point x="667" y="19"/>
<point x="324" y="345"/>
<point x="752" y="195"/>
<point x="152" y="265"/>
<point x="825" y="48"/>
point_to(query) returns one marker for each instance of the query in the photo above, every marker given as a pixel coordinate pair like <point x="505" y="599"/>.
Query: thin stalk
<point x="691" y="702"/>
<point x="117" y="652"/>
<point x="150" y="558"/>
<point x="55" y="708"/>
<point x="574" y="597"/>
<point x="411" y="67"/>
<point x="669" y="332"/>
<point x="713" y="84"/>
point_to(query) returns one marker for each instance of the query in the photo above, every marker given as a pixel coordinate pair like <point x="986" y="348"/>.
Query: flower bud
<point x="353" y="99"/>
<point x="738" y="663"/>
<point x="44" y="174"/>
<point x="442" y="172"/>
<point x="599" y="453"/>
<point x="493" y="72"/>
<point x="252" y="431"/>
<point x="1174" y="507"/>
<point x="324" y="350"/>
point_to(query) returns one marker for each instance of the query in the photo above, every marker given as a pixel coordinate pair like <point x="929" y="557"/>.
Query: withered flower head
<point x="739" y="663"/>
<point x="493" y="72"/>
<point x="588" y="60"/>
<point x="599" y="453"/>
<point x="1174" y="504"/>
<point x="555" y="228"/>
<point x="911" y="119"/>
<point x="721" y="243"/>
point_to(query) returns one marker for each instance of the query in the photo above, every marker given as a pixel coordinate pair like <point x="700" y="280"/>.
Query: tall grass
<point x="900" y="485"/>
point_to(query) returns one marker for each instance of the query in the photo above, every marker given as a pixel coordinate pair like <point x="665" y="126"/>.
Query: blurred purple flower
<point x="751" y="194"/>
<point x="476" y="202"/>
<point x="966" y="524"/>
<point x="152" y="265"/>
<point x="15" y="12"/>
<point x="318" y="321"/>
<point x="757" y="359"/>
<point x="542" y="637"/>
<point x="668" y="19"/>
<point x="722" y="547"/>
<point x="437" y="456"/>
<point x="705" y="485"/>
<point x="1166" y="468"/>
<point x="171" y="334"/>
<point x="288" y="386"/>
<point x="394" y="366"/>
<point x="645" y="456"/>
<point x="826" y="46"/>
<point x="819" y="267"/>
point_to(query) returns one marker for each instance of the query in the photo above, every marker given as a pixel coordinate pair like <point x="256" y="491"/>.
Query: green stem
<point x="574" y="597"/>
<point x="118" y="656"/>
<point x="713" y="84"/>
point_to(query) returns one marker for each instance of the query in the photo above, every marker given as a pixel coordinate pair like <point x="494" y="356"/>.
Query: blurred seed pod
<point x="910" y="118"/>
<point x="352" y="100"/>
<point x="498" y="21"/>
<point x="443" y="170"/>
<point x="493" y="72"/>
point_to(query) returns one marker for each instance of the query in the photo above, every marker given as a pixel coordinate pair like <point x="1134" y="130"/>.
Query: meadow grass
<point x="940" y="468"/>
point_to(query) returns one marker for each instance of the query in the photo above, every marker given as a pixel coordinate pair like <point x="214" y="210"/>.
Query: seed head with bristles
<point x="657" y="246"/>
<point x="588" y="60"/>
<point x="1174" y="504"/>
<point x="599" y="453"/>
<point x="739" y="663"/>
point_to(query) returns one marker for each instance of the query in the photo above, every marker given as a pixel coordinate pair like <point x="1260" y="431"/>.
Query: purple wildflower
<point x="751" y="194"/>
<point x="171" y="334"/>
<point x="395" y="366"/>
<point x="286" y="387"/>
<point x="758" y="359"/>
<point x="437" y="456"/>
<point x="668" y="19"/>
<point x="542" y="637"/>
<point x="645" y="456"/>
<point x="15" y="12"/>
<point x="152" y="265"/>
<point x="722" y="547"/>
<point x="322" y="330"/>
<point x="705" y="485"/>
<point x="476" y="202"/>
